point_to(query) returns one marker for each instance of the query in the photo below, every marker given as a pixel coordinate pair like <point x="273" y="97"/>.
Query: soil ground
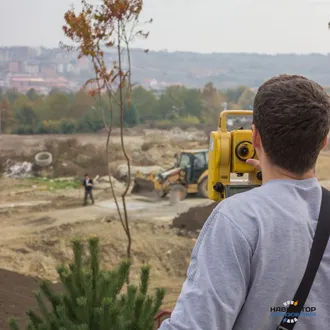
<point x="16" y="295"/>
<point x="39" y="219"/>
<point x="38" y="223"/>
<point x="34" y="242"/>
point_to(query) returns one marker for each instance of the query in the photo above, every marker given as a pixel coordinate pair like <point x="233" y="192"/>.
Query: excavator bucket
<point x="145" y="184"/>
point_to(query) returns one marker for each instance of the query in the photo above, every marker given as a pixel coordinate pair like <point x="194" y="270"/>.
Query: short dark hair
<point x="292" y="115"/>
<point x="86" y="174"/>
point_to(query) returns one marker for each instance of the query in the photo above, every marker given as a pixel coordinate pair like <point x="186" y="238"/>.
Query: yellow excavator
<point x="189" y="175"/>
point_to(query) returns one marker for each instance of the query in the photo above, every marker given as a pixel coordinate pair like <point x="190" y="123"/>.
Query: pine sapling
<point x="92" y="298"/>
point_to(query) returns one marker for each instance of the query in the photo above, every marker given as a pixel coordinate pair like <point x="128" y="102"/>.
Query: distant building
<point x="24" y="82"/>
<point x="42" y="85"/>
<point x="31" y="67"/>
<point x="14" y="67"/>
<point x="68" y="67"/>
<point x="60" y="68"/>
<point x="21" y="53"/>
<point x="48" y="69"/>
<point x="75" y="69"/>
<point x="38" y="50"/>
<point x="156" y="86"/>
<point x="83" y="64"/>
<point x="59" y="84"/>
<point x="5" y="54"/>
<point x="63" y="55"/>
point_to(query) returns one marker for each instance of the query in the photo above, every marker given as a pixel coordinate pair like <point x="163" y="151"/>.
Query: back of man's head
<point x="292" y="115"/>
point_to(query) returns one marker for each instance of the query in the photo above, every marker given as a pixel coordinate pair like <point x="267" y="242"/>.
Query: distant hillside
<point x="159" y="69"/>
<point x="226" y="69"/>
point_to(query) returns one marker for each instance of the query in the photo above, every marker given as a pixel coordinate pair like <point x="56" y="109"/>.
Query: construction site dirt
<point x="39" y="216"/>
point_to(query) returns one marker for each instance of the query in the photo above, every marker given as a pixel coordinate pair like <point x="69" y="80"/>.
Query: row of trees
<point x="64" y="113"/>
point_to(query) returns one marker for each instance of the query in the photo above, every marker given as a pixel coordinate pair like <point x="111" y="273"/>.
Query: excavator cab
<point x="194" y="170"/>
<point x="191" y="165"/>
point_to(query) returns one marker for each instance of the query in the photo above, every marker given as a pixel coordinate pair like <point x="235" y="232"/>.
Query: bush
<point x="163" y="124"/>
<point x="22" y="130"/>
<point x="41" y="129"/>
<point x="91" y="122"/>
<point x="92" y="298"/>
<point x="182" y="122"/>
<point x="47" y="127"/>
<point x="188" y="120"/>
<point x="67" y="126"/>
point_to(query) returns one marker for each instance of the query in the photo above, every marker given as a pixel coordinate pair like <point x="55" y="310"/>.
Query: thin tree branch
<point x="109" y="131"/>
<point x="122" y="142"/>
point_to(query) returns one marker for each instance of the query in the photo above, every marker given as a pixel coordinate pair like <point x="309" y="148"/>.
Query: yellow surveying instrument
<point x="228" y="152"/>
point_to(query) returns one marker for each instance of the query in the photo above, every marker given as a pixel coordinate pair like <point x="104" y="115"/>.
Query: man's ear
<point x="256" y="140"/>
<point x="325" y="142"/>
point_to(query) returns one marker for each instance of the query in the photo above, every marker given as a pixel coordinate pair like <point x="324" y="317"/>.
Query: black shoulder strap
<point x="320" y="242"/>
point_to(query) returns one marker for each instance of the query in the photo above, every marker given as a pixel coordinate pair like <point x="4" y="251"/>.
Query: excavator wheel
<point x="182" y="190"/>
<point x="203" y="188"/>
<point x="161" y="193"/>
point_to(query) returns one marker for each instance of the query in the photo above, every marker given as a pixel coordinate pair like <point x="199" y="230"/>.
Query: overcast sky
<point x="263" y="26"/>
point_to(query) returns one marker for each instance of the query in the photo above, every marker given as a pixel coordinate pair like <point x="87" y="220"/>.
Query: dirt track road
<point x="139" y="208"/>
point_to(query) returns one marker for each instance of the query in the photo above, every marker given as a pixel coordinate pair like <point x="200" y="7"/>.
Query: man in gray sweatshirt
<point x="253" y="250"/>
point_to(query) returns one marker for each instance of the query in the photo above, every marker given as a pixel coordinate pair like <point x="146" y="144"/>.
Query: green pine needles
<point x="93" y="299"/>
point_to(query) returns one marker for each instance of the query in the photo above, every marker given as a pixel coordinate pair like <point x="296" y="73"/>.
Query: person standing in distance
<point x="253" y="250"/>
<point x="88" y="184"/>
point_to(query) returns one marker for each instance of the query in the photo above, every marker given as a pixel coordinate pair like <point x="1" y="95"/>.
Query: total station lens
<point x="244" y="151"/>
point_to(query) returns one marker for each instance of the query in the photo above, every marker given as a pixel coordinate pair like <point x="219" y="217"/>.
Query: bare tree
<point x="113" y="24"/>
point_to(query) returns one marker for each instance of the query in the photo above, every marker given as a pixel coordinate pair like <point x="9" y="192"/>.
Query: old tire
<point x="203" y="188"/>
<point x="181" y="189"/>
<point x="43" y="159"/>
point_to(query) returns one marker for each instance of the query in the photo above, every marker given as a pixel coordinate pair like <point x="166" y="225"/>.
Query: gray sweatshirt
<point x="249" y="260"/>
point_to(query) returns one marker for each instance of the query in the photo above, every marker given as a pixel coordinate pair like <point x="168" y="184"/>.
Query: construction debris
<point x="18" y="170"/>
<point x="104" y="183"/>
<point x="122" y="171"/>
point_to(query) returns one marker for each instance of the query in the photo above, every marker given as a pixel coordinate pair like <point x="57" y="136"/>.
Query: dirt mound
<point x="17" y="297"/>
<point x="194" y="218"/>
